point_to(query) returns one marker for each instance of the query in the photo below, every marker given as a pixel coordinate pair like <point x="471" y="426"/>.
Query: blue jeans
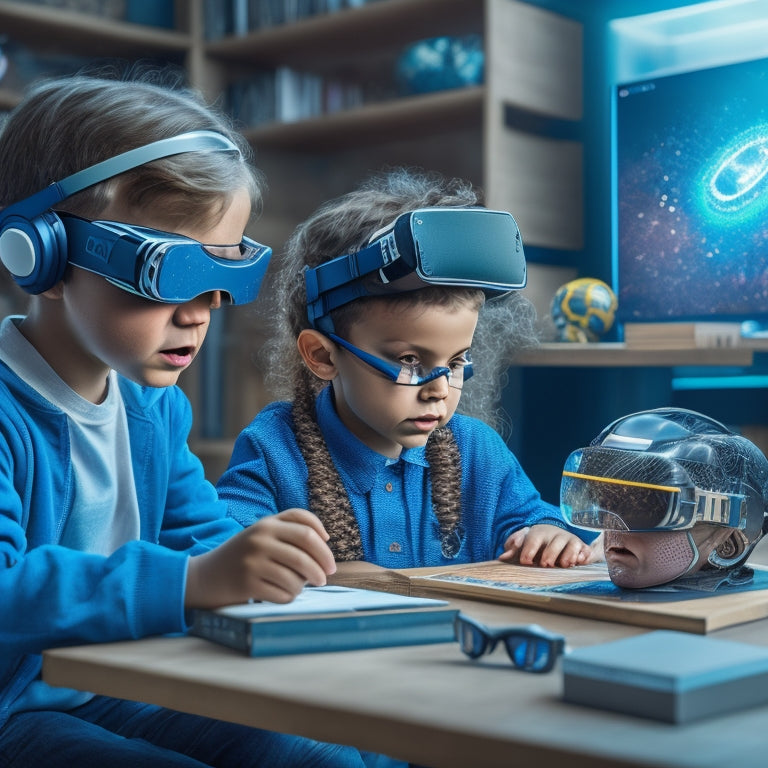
<point x="126" y="734"/>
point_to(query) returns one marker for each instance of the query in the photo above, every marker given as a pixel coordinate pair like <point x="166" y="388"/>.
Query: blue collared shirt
<point x="391" y="499"/>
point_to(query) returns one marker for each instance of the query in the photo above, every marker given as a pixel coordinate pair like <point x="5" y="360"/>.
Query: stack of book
<point x="680" y="335"/>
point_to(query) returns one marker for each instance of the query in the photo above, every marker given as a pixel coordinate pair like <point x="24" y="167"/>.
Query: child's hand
<point x="270" y="560"/>
<point x="549" y="546"/>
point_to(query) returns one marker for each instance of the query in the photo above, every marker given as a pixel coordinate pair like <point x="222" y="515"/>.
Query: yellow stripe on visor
<point x="618" y="481"/>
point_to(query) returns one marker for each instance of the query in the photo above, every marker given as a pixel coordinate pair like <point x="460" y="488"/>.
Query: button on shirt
<point x="390" y="501"/>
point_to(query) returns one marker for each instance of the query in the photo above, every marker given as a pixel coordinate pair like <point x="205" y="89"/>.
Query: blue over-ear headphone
<point x="33" y="244"/>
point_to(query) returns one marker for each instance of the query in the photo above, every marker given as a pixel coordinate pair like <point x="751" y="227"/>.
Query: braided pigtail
<point x="445" y="473"/>
<point x="327" y="496"/>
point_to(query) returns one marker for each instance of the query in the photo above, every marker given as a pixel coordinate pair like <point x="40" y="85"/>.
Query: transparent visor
<point x="165" y="267"/>
<point x="623" y="490"/>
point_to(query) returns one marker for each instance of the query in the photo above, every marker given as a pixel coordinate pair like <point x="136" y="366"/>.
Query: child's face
<point x="386" y="416"/>
<point x="147" y="341"/>
<point x="644" y="559"/>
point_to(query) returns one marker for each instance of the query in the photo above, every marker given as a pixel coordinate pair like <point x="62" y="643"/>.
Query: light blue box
<point x="671" y="676"/>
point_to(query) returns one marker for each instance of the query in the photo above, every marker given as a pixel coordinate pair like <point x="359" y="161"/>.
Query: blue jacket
<point x="53" y="596"/>
<point x="391" y="500"/>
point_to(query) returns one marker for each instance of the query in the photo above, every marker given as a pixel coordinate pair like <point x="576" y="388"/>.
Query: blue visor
<point x="471" y="247"/>
<point x="162" y="266"/>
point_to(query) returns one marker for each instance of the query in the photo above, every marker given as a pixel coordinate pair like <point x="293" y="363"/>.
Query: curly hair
<point x="344" y="225"/>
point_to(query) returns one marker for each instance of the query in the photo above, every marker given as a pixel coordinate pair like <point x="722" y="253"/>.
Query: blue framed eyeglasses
<point x="530" y="647"/>
<point x="410" y="375"/>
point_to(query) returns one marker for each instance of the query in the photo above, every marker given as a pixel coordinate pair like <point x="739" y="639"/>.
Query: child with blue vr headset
<point x="124" y="204"/>
<point x="378" y="301"/>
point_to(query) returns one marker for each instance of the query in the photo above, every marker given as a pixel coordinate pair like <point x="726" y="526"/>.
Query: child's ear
<point x="317" y="352"/>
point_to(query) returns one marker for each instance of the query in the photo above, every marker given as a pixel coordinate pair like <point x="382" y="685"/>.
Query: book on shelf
<point x="284" y="95"/>
<point x="682" y="335"/>
<point x="329" y="618"/>
<point x="670" y="676"/>
<point x="239" y="17"/>
<point x="584" y="590"/>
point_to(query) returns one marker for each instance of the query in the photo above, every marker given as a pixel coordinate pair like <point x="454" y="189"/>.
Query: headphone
<point x="33" y="243"/>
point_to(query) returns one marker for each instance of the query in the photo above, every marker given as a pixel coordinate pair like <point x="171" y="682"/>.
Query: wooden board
<point x="532" y="588"/>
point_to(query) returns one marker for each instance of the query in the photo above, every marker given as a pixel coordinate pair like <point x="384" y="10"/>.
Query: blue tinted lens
<point x="529" y="653"/>
<point x="471" y="639"/>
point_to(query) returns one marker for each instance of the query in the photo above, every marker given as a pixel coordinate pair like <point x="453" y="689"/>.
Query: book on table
<point x="329" y="618"/>
<point x="671" y="676"/>
<point x="584" y="590"/>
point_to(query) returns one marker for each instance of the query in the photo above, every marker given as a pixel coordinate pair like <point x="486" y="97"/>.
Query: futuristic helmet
<point x="667" y="470"/>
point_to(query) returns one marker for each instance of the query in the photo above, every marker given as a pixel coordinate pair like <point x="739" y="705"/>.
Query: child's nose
<point x="198" y="310"/>
<point x="437" y="388"/>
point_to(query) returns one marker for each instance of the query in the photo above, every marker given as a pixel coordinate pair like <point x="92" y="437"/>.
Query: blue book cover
<point x="329" y="618"/>
<point x="667" y="675"/>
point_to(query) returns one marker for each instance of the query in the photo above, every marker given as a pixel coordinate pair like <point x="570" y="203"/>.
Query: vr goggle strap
<point x="193" y="141"/>
<point x="335" y="283"/>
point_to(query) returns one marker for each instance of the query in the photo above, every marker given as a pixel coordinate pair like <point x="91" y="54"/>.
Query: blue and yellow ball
<point x="583" y="309"/>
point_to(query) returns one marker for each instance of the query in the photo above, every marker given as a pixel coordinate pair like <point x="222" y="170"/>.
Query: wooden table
<point x="425" y="704"/>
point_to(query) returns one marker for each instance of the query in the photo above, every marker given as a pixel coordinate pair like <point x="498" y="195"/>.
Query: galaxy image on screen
<point x="691" y="195"/>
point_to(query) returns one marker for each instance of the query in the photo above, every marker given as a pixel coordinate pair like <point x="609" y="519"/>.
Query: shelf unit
<point x="53" y="28"/>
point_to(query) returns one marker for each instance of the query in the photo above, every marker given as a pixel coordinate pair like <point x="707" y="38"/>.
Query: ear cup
<point x="34" y="251"/>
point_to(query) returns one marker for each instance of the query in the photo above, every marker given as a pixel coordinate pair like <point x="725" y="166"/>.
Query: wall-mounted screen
<point x="690" y="187"/>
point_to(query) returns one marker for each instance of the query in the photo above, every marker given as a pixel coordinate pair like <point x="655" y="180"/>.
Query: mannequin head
<point x="675" y="492"/>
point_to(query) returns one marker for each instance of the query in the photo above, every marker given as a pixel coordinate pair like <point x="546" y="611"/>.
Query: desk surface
<point x="426" y="704"/>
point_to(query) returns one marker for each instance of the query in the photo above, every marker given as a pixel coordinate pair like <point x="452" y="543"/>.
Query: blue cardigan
<point x="53" y="596"/>
<point x="391" y="499"/>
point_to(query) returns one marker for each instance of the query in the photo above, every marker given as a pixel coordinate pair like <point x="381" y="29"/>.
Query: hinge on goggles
<point x="721" y="508"/>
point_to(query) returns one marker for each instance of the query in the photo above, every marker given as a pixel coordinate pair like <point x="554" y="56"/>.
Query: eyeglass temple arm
<point x="393" y="371"/>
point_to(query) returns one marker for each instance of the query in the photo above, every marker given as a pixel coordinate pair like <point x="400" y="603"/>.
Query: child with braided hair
<point x="376" y="305"/>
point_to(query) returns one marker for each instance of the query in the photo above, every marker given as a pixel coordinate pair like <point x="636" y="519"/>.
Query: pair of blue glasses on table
<point x="531" y="648"/>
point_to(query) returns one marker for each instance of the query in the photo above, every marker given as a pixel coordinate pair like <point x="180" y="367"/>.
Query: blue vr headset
<point x="162" y="266"/>
<point x="472" y="247"/>
<point x="36" y="243"/>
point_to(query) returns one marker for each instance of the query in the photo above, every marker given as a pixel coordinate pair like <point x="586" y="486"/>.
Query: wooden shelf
<point x="414" y="116"/>
<point x="617" y="354"/>
<point x="350" y="33"/>
<point x="87" y="34"/>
